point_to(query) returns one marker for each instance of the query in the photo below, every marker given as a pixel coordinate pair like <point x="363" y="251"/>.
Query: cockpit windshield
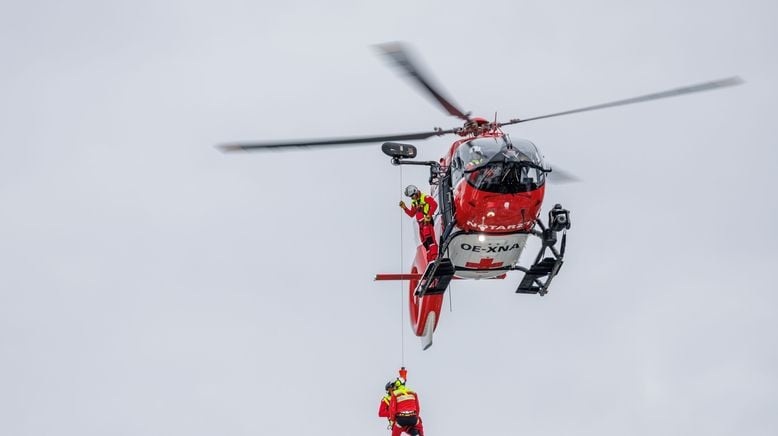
<point x="499" y="165"/>
<point x="480" y="151"/>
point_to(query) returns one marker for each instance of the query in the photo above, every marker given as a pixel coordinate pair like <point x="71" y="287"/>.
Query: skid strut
<point x="546" y="267"/>
<point x="436" y="278"/>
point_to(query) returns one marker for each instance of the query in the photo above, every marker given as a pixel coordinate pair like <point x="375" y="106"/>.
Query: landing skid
<point x="436" y="277"/>
<point x="429" y="329"/>
<point x="546" y="267"/>
<point x="433" y="284"/>
<point x="532" y="283"/>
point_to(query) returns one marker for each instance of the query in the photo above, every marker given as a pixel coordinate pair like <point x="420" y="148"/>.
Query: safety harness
<point x="425" y="207"/>
<point x="402" y="393"/>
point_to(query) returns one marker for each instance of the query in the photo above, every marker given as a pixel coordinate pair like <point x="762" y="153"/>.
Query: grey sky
<point x="150" y="285"/>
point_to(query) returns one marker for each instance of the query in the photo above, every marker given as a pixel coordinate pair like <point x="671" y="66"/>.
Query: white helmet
<point x="411" y="190"/>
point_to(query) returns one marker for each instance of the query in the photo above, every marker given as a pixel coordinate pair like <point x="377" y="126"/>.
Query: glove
<point x="402" y="204"/>
<point x="427" y="220"/>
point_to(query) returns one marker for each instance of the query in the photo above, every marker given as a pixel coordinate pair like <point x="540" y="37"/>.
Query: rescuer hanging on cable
<point x="400" y="406"/>
<point x="423" y="208"/>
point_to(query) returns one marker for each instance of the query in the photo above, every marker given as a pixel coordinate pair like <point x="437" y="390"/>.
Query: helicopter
<point x="490" y="188"/>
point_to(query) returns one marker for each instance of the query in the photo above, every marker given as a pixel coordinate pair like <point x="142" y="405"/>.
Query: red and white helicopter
<point x="490" y="189"/>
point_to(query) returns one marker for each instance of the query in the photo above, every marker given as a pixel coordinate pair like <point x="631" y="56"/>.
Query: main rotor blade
<point x="331" y="142"/>
<point x="707" y="86"/>
<point x="402" y="59"/>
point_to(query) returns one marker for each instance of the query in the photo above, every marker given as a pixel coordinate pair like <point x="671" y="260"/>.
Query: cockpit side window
<point x="530" y="175"/>
<point x="528" y="151"/>
<point x="474" y="154"/>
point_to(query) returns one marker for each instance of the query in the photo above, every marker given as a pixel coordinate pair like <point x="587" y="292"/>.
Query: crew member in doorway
<point x="423" y="208"/>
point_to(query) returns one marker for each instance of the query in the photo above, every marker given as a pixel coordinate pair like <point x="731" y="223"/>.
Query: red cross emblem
<point x="485" y="263"/>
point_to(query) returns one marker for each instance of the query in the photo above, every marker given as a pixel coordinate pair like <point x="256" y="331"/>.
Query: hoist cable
<point x="402" y="282"/>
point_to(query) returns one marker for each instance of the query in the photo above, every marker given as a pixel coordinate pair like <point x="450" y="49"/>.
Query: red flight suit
<point x="420" y="209"/>
<point x="383" y="408"/>
<point x="404" y="402"/>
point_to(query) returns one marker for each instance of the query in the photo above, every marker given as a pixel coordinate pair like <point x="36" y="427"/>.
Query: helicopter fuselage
<point x="490" y="192"/>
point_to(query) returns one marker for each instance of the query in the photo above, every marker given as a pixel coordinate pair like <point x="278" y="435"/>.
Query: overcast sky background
<point x="150" y="285"/>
